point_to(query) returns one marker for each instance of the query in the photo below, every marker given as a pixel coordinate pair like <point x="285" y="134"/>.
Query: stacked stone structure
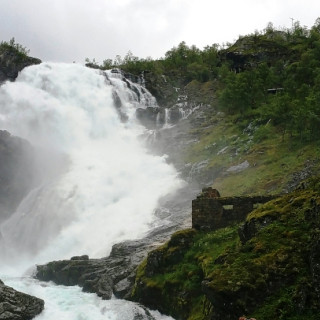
<point x="210" y="211"/>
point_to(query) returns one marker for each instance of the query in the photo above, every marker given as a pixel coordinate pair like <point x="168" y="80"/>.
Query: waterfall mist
<point x="97" y="183"/>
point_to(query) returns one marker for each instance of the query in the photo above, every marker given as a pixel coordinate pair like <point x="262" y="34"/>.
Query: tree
<point x="16" y="46"/>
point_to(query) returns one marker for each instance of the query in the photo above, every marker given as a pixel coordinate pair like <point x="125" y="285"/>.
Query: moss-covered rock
<point x="271" y="273"/>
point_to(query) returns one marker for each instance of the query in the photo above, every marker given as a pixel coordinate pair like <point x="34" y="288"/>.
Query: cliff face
<point x="266" y="267"/>
<point x="12" y="62"/>
<point x="16" y="171"/>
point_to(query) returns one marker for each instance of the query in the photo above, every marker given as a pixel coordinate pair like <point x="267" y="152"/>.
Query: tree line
<point x="271" y="76"/>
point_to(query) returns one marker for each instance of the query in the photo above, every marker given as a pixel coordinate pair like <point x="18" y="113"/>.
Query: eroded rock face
<point x="15" y="305"/>
<point x="12" y="62"/>
<point x="16" y="171"/>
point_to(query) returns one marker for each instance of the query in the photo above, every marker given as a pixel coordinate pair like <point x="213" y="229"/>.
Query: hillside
<point x="252" y="128"/>
<point x="243" y="119"/>
<point x="266" y="267"/>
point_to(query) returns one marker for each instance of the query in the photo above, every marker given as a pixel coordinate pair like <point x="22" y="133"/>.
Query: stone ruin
<point x="210" y="211"/>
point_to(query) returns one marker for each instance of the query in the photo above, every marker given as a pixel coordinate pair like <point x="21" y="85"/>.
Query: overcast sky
<point x="71" y="30"/>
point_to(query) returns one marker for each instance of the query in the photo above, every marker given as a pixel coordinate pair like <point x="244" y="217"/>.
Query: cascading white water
<point x="106" y="185"/>
<point x="166" y="118"/>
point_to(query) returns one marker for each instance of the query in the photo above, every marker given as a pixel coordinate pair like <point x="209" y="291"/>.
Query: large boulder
<point x="15" y="305"/>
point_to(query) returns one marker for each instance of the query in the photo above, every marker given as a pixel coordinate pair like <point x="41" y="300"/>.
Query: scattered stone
<point x="223" y="150"/>
<point x="240" y="167"/>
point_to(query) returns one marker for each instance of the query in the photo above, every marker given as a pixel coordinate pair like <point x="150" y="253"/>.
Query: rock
<point x="15" y="305"/>
<point x="84" y="257"/>
<point x="199" y="172"/>
<point x="101" y="276"/>
<point x="118" y="104"/>
<point x="123" y="287"/>
<point x="298" y="177"/>
<point x="240" y="167"/>
<point x="16" y="171"/>
<point x="250" y="228"/>
<point x="161" y="88"/>
<point x="12" y="62"/>
<point x="147" y="116"/>
<point x="151" y="294"/>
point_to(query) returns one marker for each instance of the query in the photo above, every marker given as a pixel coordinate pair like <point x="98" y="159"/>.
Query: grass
<point x="184" y="275"/>
<point x="226" y="141"/>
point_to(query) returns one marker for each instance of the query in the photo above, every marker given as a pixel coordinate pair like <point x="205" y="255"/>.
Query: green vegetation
<point x="273" y="75"/>
<point x="264" y="98"/>
<point x="181" y="265"/>
<point x="17" y="49"/>
<point x="272" y="274"/>
<point x="224" y="141"/>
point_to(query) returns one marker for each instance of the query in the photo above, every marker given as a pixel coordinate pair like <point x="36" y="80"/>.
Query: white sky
<point x="71" y="30"/>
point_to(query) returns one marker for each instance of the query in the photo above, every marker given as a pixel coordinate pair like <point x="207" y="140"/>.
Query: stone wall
<point x="211" y="212"/>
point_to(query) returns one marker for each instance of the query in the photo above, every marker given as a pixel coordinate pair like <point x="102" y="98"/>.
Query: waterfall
<point x="166" y="118"/>
<point x="106" y="185"/>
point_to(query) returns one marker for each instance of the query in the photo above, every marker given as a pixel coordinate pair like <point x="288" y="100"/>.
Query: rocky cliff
<point x="16" y="171"/>
<point x="12" y="62"/>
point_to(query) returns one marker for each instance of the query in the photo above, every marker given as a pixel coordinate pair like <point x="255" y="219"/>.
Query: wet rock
<point x="161" y="88"/>
<point x="16" y="171"/>
<point x="147" y="116"/>
<point x="15" y="305"/>
<point x="101" y="276"/>
<point x="118" y="104"/>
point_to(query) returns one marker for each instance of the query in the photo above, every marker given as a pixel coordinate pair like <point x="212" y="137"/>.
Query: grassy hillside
<point x="270" y="272"/>
<point x="270" y="163"/>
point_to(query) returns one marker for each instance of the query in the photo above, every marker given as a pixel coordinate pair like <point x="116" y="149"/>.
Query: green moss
<point x="225" y="140"/>
<point x="268" y="276"/>
<point x="176" y="280"/>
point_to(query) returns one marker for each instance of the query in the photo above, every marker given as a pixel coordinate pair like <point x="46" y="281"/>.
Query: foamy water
<point x="99" y="185"/>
